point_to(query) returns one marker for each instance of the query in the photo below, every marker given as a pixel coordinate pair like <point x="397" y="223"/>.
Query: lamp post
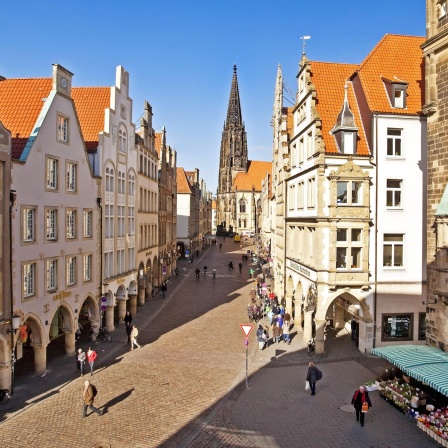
<point x="15" y="325"/>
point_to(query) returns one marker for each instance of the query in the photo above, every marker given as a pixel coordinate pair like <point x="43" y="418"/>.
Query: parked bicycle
<point x="102" y="335"/>
<point x="4" y="396"/>
<point x="311" y="346"/>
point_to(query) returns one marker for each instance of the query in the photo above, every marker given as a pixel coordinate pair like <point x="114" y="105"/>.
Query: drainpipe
<point x="12" y="198"/>
<point x="98" y="201"/>
<point x="375" y="119"/>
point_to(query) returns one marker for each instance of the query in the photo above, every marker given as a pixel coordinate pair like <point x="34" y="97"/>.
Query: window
<point x="121" y="182"/>
<point x="394" y="142"/>
<point x="71" y="271"/>
<point x="62" y="129"/>
<point x="120" y="261"/>
<point x="393" y="250"/>
<point x="52" y="174"/>
<point x="52" y="224"/>
<point x="87" y="268"/>
<point x="421" y="326"/>
<point x="131" y="221"/>
<point x="52" y="275"/>
<point x="291" y="198"/>
<point x="309" y="144"/>
<point x="399" y="96"/>
<point x="131" y="185"/>
<point x="29" y="279"/>
<point x="131" y="258"/>
<point x="87" y="223"/>
<point x="442" y="8"/>
<point x="108" y="264"/>
<point x="71" y="176"/>
<point x="71" y="223"/>
<point x="110" y="179"/>
<point x="109" y="221"/>
<point x="311" y="192"/>
<point x="29" y="224"/>
<point x="242" y="206"/>
<point x="121" y="221"/>
<point x="122" y="140"/>
<point x="349" y="192"/>
<point x="348" y="249"/>
<point x="300" y="195"/>
<point x="397" y="327"/>
<point x="393" y="192"/>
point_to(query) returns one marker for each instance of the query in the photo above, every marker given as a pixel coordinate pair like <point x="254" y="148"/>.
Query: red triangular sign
<point x="246" y="328"/>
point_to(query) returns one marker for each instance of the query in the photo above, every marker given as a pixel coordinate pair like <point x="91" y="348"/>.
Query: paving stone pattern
<point x="186" y="386"/>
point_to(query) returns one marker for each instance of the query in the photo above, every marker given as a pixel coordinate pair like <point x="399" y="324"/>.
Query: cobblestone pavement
<point x="186" y="386"/>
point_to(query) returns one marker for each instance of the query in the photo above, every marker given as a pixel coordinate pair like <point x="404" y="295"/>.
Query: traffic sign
<point x="246" y="329"/>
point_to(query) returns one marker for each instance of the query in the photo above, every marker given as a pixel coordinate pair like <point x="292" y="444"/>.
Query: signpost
<point x="246" y="329"/>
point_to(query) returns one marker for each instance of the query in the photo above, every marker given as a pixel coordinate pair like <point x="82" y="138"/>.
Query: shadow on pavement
<point x="117" y="399"/>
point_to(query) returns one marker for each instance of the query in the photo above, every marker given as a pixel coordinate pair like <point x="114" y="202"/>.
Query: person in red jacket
<point x="361" y="396"/>
<point x="91" y="356"/>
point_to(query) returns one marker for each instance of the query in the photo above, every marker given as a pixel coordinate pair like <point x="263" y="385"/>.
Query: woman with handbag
<point x="361" y="403"/>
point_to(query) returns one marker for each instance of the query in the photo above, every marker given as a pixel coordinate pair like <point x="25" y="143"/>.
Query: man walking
<point x="128" y="323"/>
<point x="163" y="289"/>
<point x="134" y="334"/>
<point x="81" y="360"/>
<point x="89" y="397"/>
<point x="311" y="377"/>
<point x="91" y="356"/>
<point x="361" y="402"/>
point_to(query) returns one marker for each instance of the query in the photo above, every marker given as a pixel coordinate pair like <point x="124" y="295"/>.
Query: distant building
<point x="239" y="183"/>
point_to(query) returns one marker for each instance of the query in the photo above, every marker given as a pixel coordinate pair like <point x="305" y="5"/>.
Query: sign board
<point x="103" y="307"/>
<point x="246" y="329"/>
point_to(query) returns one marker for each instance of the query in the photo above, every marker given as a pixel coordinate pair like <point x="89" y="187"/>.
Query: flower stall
<point x="435" y="424"/>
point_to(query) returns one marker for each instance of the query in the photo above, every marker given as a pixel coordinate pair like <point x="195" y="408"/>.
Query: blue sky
<point x="180" y="55"/>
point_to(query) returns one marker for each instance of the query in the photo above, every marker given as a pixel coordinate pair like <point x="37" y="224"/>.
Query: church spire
<point x="234" y="108"/>
<point x="233" y="155"/>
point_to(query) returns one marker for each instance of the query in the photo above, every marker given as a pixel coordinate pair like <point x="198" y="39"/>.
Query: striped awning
<point x="426" y="364"/>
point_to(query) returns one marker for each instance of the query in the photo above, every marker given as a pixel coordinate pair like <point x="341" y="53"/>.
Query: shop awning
<point x="426" y="364"/>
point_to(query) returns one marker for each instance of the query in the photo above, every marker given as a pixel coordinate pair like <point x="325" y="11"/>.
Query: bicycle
<point x="103" y="335"/>
<point x="311" y="347"/>
<point x="4" y="396"/>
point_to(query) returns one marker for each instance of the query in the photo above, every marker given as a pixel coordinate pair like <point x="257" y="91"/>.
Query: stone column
<point x="133" y="304"/>
<point x="308" y="325"/>
<point x="298" y="315"/>
<point x="320" y="336"/>
<point x="365" y="337"/>
<point x="5" y="375"/>
<point x="40" y="358"/>
<point x="288" y="308"/>
<point x="121" y="303"/>
<point x="109" y="318"/>
<point x="70" y="342"/>
<point x="141" y="291"/>
<point x="148" y="289"/>
<point x="339" y="321"/>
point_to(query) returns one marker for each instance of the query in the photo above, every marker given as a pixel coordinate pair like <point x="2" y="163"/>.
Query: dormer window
<point x="399" y="95"/>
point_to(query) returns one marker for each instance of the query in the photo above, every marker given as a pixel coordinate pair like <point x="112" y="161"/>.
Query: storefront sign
<point x="62" y="295"/>
<point x="302" y="269"/>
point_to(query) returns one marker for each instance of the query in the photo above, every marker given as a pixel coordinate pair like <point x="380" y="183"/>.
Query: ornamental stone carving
<point x="349" y="169"/>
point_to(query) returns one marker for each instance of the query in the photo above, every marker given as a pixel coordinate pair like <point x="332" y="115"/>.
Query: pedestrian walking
<point x="81" y="360"/>
<point x="230" y="265"/>
<point x="260" y="338"/>
<point x="353" y="327"/>
<point x="89" y="397"/>
<point x="361" y="402"/>
<point x="240" y="267"/>
<point x="277" y="331"/>
<point x="128" y="323"/>
<point x="286" y="332"/>
<point x="134" y="335"/>
<point x="312" y="377"/>
<point x="91" y="356"/>
<point x="266" y="332"/>
<point x="251" y="273"/>
<point x="163" y="289"/>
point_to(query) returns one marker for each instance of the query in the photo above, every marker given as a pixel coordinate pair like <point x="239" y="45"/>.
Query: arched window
<point x="110" y="179"/>
<point x="122" y="140"/>
<point x="242" y="206"/>
<point x="131" y="185"/>
<point x="121" y="182"/>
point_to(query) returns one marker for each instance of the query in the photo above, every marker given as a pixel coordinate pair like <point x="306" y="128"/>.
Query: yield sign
<point x="246" y="328"/>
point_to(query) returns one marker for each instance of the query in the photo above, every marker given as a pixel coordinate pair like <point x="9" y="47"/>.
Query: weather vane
<point x="304" y="38"/>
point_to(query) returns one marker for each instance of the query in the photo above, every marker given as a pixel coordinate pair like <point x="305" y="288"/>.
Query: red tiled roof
<point x="21" y="101"/>
<point x="395" y="56"/>
<point x="256" y="171"/>
<point x="183" y="186"/>
<point x="329" y="79"/>
<point x="158" y="142"/>
<point x="90" y="103"/>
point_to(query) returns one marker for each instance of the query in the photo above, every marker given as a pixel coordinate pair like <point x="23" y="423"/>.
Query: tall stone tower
<point x="233" y="155"/>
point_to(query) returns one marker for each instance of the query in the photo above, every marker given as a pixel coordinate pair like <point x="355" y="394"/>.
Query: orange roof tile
<point x="330" y="79"/>
<point x="21" y="101"/>
<point x="183" y="186"/>
<point x="90" y="103"/>
<point x="214" y="204"/>
<point x="395" y="56"/>
<point x="158" y="142"/>
<point x="256" y="171"/>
